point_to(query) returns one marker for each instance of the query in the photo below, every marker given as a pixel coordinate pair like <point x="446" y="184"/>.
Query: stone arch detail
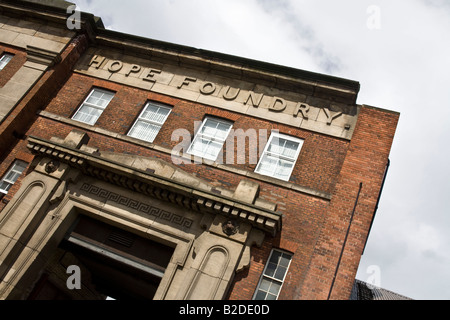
<point x="209" y="276"/>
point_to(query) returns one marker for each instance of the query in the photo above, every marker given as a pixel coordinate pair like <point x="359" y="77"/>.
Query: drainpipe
<point x="378" y="201"/>
<point x="345" y="241"/>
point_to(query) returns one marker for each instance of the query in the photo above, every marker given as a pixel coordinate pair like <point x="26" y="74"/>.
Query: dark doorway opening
<point x="115" y="263"/>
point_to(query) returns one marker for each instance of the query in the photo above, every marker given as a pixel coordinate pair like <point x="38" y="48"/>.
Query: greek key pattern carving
<point x="137" y="205"/>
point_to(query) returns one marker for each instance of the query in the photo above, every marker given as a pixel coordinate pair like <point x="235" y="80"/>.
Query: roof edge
<point x="319" y="78"/>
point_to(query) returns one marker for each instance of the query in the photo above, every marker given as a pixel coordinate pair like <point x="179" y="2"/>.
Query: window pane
<point x="275" y="287"/>
<point x="155" y="113"/>
<point x="283" y="147"/>
<point x="4" y="186"/>
<point x="206" y="148"/>
<point x="149" y="122"/>
<point x="12" y="175"/>
<point x="87" y="114"/>
<point x="144" y="131"/>
<point x="270" y="270"/>
<point x="271" y="297"/>
<point x="279" y="274"/>
<point x="222" y="131"/>
<point x="199" y="145"/>
<point x="20" y="166"/>
<point x="261" y="295"/>
<point x="267" y="165"/>
<point x="285" y="259"/>
<point x="265" y="284"/>
<point x="215" y="129"/>
<point x="290" y="148"/>
<point x="100" y="98"/>
<point x="279" y="157"/>
<point x="275" y="257"/>
<point x="209" y="128"/>
<point x="208" y="142"/>
<point x="5" y="59"/>
<point x="92" y="108"/>
<point x="283" y="169"/>
<point x="212" y="150"/>
<point x="274" y="146"/>
<point x="94" y="97"/>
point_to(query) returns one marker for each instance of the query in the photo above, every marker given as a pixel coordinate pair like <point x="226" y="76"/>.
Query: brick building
<point x="135" y="168"/>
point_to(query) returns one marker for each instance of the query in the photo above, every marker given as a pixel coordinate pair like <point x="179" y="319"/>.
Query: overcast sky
<point x="400" y="53"/>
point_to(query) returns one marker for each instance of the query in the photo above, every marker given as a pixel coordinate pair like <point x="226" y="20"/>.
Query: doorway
<point x="114" y="263"/>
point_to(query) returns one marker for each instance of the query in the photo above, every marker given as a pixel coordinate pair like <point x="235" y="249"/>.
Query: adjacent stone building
<point x="139" y="169"/>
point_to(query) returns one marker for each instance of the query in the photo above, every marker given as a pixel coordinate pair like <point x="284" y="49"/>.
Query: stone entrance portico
<point x="210" y="233"/>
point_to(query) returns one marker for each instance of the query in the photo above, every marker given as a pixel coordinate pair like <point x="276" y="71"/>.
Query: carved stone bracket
<point x="42" y="56"/>
<point x="52" y="166"/>
<point x="230" y="227"/>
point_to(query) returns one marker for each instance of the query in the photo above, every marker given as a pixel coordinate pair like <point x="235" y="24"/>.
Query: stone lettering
<point x="186" y="81"/>
<point x="149" y="75"/>
<point x="274" y="104"/>
<point x="255" y="100"/>
<point x="115" y="66"/>
<point x="277" y="104"/>
<point x="302" y="108"/>
<point x="134" y="69"/>
<point x="331" y="117"/>
<point x="96" y="61"/>
<point x="208" y="88"/>
<point x="230" y="96"/>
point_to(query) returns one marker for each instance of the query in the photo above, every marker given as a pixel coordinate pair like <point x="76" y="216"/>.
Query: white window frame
<point x="210" y="139"/>
<point x="148" y="105"/>
<point x="5" y="59"/>
<point x="278" y="157"/>
<point x="92" y="105"/>
<point x="18" y="167"/>
<point x="272" y="279"/>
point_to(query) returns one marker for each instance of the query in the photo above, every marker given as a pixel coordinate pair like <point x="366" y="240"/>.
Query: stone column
<point x="221" y="251"/>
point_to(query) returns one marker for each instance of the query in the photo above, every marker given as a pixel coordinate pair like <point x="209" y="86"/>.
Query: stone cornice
<point x="156" y="186"/>
<point x="42" y="56"/>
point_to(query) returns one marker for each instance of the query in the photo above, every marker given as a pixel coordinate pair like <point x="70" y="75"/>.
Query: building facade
<point x="139" y="169"/>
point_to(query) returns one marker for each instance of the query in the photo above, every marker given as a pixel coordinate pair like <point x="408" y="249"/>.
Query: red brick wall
<point x="13" y="65"/>
<point x="365" y="163"/>
<point x="317" y="167"/>
<point x="23" y="115"/>
<point x="19" y="152"/>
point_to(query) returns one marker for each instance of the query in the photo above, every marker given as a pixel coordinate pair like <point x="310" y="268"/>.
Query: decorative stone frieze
<point x="156" y="186"/>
